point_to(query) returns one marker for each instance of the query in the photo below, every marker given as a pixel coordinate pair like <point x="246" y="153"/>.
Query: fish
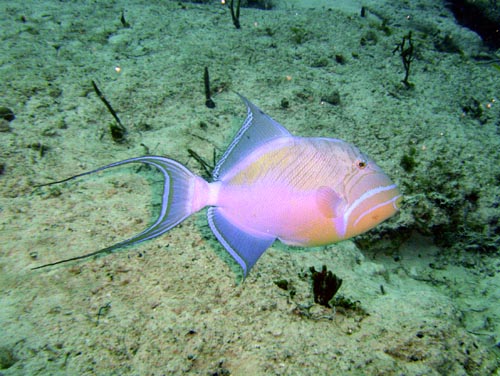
<point x="270" y="185"/>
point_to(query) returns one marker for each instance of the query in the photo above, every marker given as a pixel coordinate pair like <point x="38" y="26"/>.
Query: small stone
<point x="340" y="59"/>
<point x="7" y="113"/>
<point x="4" y="126"/>
<point x="332" y="98"/>
<point x="7" y="358"/>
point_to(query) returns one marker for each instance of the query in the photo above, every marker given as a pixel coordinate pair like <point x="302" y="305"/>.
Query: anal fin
<point x="243" y="247"/>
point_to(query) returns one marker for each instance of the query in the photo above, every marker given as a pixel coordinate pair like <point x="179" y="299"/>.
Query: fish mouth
<point x="371" y="208"/>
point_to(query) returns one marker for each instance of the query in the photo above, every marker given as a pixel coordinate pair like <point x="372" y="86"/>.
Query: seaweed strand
<point x="235" y="15"/>
<point x="109" y="107"/>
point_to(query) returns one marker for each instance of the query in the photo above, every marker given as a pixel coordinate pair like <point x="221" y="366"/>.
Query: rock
<point x="6" y="114"/>
<point x="4" y="125"/>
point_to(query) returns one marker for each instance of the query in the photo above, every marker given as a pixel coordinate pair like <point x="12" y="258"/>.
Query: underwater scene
<point x="245" y="187"/>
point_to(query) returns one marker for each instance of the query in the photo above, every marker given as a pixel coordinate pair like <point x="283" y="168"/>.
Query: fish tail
<point x="184" y="193"/>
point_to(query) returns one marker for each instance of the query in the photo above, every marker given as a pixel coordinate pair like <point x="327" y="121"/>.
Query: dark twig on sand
<point x="208" y="97"/>
<point x="405" y="49"/>
<point x="235" y="14"/>
<point x="117" y="131"/>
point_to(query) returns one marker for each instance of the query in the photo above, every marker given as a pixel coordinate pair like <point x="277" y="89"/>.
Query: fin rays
<point x="257" y="129"/>
<point x="243" y="247"/>
<point x="174" y="207"/>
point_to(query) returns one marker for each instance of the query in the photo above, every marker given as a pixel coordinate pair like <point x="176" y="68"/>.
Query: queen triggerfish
<point x="268" y="185"/>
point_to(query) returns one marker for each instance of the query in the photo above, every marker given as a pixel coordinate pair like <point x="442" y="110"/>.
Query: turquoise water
<point x="425" y="283"/>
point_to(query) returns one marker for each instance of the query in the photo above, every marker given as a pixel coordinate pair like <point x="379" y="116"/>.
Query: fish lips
<point x="381" y="200"/>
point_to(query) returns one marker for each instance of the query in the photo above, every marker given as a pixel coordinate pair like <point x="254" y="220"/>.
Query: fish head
<point x="369" y="195"/>
<point x="363" y="195"/>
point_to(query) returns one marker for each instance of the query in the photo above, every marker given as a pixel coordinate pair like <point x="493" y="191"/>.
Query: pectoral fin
<point x="329" y="202"/>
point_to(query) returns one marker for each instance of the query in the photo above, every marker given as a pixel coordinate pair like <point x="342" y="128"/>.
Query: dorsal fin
<point x="257" y="129"/>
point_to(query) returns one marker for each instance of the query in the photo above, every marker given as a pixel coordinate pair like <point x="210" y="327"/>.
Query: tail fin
<point x="176" y="206"/>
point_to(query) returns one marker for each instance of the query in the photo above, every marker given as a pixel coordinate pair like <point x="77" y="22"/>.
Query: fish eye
<point x="361" y="164"/>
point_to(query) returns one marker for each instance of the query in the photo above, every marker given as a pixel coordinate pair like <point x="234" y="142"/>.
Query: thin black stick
<point x="123" y="21"/>
<point x="208" y="100"/>
<point x="235" y="16"/>
<point x="208" y="169"/>
<point x="108" y="106"/>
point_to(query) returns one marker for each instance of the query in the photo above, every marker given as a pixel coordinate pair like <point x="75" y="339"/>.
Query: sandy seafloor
<point x="172" y="305"/>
